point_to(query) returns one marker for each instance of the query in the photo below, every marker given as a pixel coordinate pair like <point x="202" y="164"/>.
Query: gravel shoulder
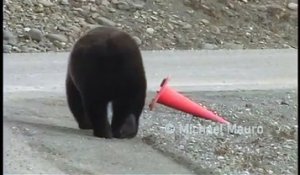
<point x="43" y="121"/>
<point x="54" y="25"/>
<point x="241" y="148"/>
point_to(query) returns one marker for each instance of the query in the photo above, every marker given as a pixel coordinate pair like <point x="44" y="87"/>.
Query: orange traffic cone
<point x="169" y="97"/>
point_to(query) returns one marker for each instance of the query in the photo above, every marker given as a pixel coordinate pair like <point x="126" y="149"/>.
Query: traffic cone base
<point x="171" y="98"/>
<point x="163" y="86"/>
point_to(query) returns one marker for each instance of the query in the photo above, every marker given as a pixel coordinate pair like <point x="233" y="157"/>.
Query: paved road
<point x="41" y="137"/>
<point x="189" y="70"/>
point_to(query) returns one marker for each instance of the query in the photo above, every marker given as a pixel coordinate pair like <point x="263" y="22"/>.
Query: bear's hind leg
<point x="125" y="119"/>
<point x="97" y="112"/>
<point x="75" y="105"/>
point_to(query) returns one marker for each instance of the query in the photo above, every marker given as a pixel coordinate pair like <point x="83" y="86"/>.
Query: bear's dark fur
<point x="105" y="66"/>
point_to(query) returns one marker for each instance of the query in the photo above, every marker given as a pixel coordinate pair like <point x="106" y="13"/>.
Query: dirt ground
<point x="48" y="25"/>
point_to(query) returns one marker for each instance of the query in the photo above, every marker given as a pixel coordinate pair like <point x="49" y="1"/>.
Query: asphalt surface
<point x="40" y="135"/>
<point x="189" y="70"/>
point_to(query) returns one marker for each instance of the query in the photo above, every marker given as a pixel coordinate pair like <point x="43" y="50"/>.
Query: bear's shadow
<point x="48" y="127"/>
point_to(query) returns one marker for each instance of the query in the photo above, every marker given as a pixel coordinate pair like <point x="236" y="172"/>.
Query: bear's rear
<point x="106" y="65"/>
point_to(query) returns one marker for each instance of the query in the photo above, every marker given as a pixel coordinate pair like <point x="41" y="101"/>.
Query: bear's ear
<point x="129" y="127"/>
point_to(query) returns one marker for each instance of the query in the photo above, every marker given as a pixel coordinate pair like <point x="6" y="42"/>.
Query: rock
<point x="229" y="5"/>
<point x="105" y="21"/>
<point x="75" y="29"/>
<point x="111" y="10"/>
<point x="233" y="46"/>
<point x="59" y="44"/>
<point x="205" y="21"/>
<point x="154" y="18"/>
<point x="56" y="37"/>
<point x="181" y="147"/>
<point x="170" y="26"/>
<point x="35" y="34"/>
<point x="248" y="105"/>
<point x="208" y="46"/>
<point x="27" y="29"/>
<point x="292" y="6"/>
<point x="24" y="49"/>
<point x="186" y="25"/>
<point x="283" y="102"/>
<point x="16" y="49"/>
<point x="190" y="11"/>
<point x="220" y="157"/>
<point x="137" y="40"/>
<point x="137" y="6"/>
<point x="9" y="37"/>
<point x="214" y="29"/>
<point x="105" y="2"/>
<point x="179" y="39"/>
<point x="92" y="26"/>
<point x="94" y="9"/>
<point x="114" y="2"/>
<point x="150" y="30"/>
<point x="6" y="48"/>
<point x="64" y="2"/>
<point x="123" y="5"/>
<point x="28" y="2"/>
<point x="45" y="3"/>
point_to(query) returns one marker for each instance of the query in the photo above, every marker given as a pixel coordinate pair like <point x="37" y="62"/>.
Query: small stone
<point x="150" y="30"/>
<point x="105" y="21"/>
<point x="35" y="34"/>
<point x="230" y="5"/>
<point x="215" y="29"/>
<point x="27" y="2"/>
<point x="137" y="40"/>
<point x="137" y="6"/>
<point x="248" y="105"/>
<point x="186" y="26"/>
<point x="170" y="26"/>
<point x="111" y="10"/>
<point x="6" y="48"/>
<point x="208" y="46"/>
<point x="190" y="11"/>
<point x="179" y="38"/>
<point x="205" y="21"/>
<point x="220" y="158"/>
<point x="16" y="49"/>
<point x="56" y="37"/>
<point x="9" y="37"/>
<point x="59" y="44"/>
<point x="181" y="147"/>
<point x="64" y="2"/>
<point x="27" y="29"/>
<point x="233" y="46"/>
<point x="284" y="103"/>
<point x="114" y="1"/>
<point x="93" y="9"/>
<point x="45" y="3"/>
<point x="123" y="5"/>
<point x="25" y="49"/>
<point x="154" y="18"/>
<point x="292" y="6"/>
<point x="105" y="2"/>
